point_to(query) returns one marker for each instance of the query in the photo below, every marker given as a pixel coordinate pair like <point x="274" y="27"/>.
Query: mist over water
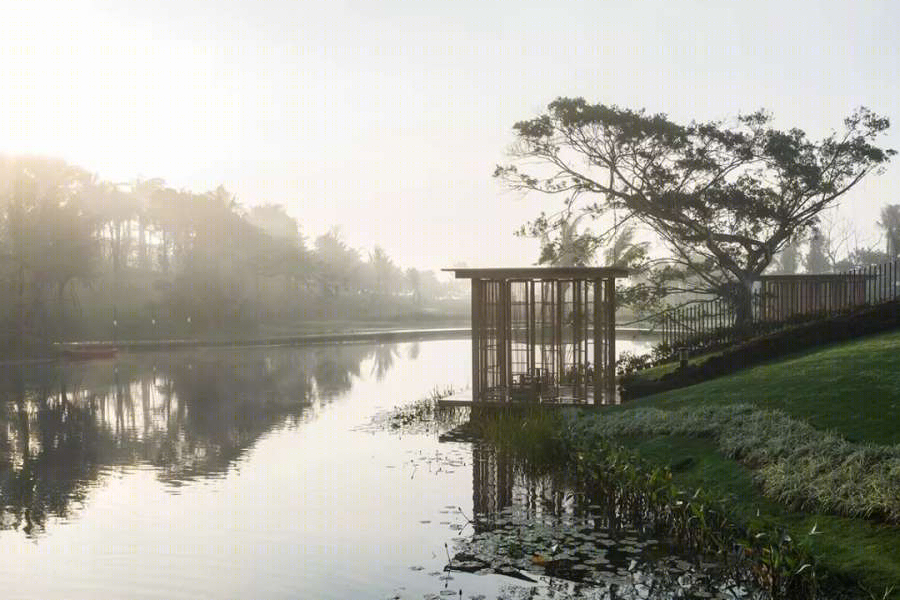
<point x="224" y="473"/>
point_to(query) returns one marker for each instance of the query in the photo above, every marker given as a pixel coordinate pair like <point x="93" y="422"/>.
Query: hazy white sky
<point x="388" y="117"/>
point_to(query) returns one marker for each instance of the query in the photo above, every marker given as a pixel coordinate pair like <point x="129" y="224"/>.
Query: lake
<point x="243" y="473"/>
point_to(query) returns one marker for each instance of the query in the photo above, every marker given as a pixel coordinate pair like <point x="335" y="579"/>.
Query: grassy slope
<point x="852" y="389"/>
<point x="660" y="370"/>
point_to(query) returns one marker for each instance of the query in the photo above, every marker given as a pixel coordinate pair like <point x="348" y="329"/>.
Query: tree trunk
<point x="142" y="242"/>
<point x="164" y="253"/>
<point x="114" y="246"/>
<point x="739" y="294"/>
<point x="20" y="309"/>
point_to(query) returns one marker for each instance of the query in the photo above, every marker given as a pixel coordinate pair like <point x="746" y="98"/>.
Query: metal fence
<point x="777" y="301"/>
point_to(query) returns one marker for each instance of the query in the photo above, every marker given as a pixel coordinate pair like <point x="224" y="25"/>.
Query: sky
<point x="388" y="117"/>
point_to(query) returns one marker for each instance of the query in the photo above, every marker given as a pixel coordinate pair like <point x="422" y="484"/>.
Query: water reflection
<point x="500" y="480"/>
<point x="537" y="526"/>
<point x="184" y="414"/>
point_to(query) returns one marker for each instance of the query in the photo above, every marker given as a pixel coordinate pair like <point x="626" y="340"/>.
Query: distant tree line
<point x="82" y="257"/>
<point x="831" y="247"/>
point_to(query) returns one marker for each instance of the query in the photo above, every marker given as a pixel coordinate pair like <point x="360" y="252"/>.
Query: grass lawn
<point x="852" y="389"/>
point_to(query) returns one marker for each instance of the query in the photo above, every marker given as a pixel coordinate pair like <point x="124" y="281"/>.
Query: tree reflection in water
<point x="186" y="414"/>
<point x="384" y="360"/>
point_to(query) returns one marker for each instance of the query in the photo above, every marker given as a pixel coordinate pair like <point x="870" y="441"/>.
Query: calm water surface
<point x="233" y="474"/>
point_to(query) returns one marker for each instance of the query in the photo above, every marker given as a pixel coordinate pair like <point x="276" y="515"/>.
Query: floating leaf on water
<point x="416" y="568"/>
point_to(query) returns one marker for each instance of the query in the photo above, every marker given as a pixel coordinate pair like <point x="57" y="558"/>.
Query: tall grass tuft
<point x="536" y="435"/>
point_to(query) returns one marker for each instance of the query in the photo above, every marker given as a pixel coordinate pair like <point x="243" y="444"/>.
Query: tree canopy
<point x="82" y="257"/>
<point x="724" y="197"/>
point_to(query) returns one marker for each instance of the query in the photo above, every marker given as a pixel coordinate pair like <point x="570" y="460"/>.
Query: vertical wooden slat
<point x="598" y="346"/>
<point x="560" y="300"/>
<point x="530" y="327"/>
<point x="576" y="334"/>
<point x="476" y="337"/>
<point x="501" y="342"/>
<point x="611" y="347"/>
<point x="507" y="287"/>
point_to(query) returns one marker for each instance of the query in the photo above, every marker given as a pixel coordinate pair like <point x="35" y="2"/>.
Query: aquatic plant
<point x="635" y="490"/>
<point x="628" y="489"/>
<point x="537" y="435"/>
<point x="420" y="416"/>
<point x="793" y="462"/>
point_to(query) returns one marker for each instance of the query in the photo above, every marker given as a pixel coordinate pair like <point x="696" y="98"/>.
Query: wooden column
<point x="507" y="324"/>
<point x="598" y="341"/>
<point x="532" y="324"/>
<point x="560" y="340"/>
<point x="476" y="339"/>
<point x="611" y="333"/>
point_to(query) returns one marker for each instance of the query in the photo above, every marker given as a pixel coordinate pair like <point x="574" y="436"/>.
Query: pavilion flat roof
<point x="545" y="273"/>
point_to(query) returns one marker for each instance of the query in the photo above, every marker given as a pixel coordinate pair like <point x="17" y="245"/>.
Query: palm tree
<point x="570" y="248"/>
<point x="624" y="252"/>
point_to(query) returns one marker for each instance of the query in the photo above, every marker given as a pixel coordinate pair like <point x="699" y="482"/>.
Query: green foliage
<point x="80" y="257"/>
<point x="794" y="463"/>
<point x="421" y="416"/>
<point x="858" y="551"/>
<point x="630" y="363"/>
<point x="724" y="198"/>
<point x="535" y="434"/>
<point x="783" y="445"/>
<point x="698" y="519"/>
<point x="851" y="388"/>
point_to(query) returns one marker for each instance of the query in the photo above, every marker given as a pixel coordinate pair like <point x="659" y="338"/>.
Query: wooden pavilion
<point x="543" y="334"/>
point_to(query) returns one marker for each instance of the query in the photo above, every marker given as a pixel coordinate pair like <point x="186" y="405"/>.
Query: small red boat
<point x="90" y="352"/>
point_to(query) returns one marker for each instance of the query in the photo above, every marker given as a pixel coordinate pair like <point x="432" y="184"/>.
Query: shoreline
<point x="365" y="335"/>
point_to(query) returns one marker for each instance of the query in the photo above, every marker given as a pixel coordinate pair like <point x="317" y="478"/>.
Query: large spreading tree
<point x="724" y="197"/>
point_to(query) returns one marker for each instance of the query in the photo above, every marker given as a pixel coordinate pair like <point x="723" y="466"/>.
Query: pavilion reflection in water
<point x="543" y="334"/>
<point x="499" y="481"/>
